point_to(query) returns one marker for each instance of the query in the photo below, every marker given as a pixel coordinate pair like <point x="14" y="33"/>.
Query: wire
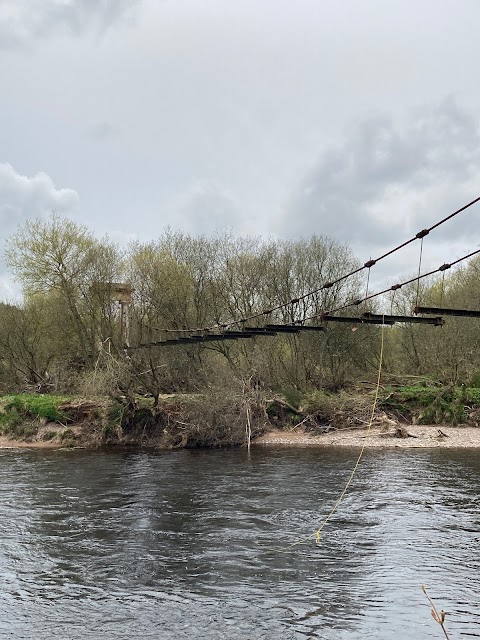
<point x="327" y="285"/>
<point x="419" y="271"/>
<point x="395" y="287"/>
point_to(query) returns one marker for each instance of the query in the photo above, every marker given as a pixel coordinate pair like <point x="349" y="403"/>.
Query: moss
<point x="27" y="431"/>
<point x="115" y="415"/>
<point x="69" y="443"/>
<point x="108" y="432"/>
<point x="68" y="434"/>
<point x="49" y="435"/>
<point x="9" y="422"/>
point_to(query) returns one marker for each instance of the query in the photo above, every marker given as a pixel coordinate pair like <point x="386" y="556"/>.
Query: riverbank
<point x="8" y="443"/>
<point x="420" y="437"/>
<point x="406" y="417"/>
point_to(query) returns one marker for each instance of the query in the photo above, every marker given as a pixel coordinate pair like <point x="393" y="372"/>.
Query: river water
<point x="191" y="544"/>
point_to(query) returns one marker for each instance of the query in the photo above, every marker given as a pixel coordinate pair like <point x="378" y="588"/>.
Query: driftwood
<point x="399" y="432"/>
<point x="283" y="404"/>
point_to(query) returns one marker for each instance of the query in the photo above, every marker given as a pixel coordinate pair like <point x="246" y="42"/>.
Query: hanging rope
<point x="368" y="281"/>
<point x="318" y="532"/>
<point x="392" y="302"/>
<point x="419" y="271"/>
<point x="442" y="290"/>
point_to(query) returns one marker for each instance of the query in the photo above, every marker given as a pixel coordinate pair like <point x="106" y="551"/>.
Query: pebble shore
<point x="423" y="436"/>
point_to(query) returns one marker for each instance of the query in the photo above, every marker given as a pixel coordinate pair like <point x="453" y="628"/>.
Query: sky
<point x="355" y="120"/>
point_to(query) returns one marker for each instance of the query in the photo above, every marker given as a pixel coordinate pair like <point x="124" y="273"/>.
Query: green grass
<point x="18" y="411"/>
<point x="35" y="406"/>
<point x="432" y="405"/>
<point x="9" y="422"/>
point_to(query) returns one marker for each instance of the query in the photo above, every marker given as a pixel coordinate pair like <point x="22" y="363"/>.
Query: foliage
<point x="61" y="262"/>
<point x="339" y="410"/>
<point x="35" y="406"/>
<point x="67" y="337"/>
<point x="431" y="405"/>
<point x="9" y="421"/>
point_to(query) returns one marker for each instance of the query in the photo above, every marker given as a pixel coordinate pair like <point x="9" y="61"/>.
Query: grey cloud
<point x="23" y="21"/>
<point x="9" y="291"/>
<point x="101" y="131"/>
<point x="390" y="179"/>
<point x="23" y="198"/>
<point x="207" y="207"/>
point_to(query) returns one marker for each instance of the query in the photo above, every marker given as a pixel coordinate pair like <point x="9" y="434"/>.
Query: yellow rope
<point x="318" y="532"/>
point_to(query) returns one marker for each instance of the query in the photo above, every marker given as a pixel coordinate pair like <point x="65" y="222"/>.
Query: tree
<point x="58" y="256"/>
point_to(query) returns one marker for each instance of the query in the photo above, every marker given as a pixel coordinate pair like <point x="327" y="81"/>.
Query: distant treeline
<point x="67" y="336"/>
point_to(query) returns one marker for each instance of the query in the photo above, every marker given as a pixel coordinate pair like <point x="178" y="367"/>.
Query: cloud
<point x="101" y="131"/>
<point x="207" y="207"/>
<point x="23" y="21"/>
<point x="9" y="291"/>
<point x="23" y="198"/>
<point x="390" y="179"/>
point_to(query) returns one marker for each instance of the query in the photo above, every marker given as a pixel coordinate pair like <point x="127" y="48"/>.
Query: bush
<point x="431" y="405"/>
<point x="219" y="417"/>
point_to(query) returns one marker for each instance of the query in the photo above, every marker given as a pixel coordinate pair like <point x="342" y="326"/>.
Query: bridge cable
<point x="419" y="271"/>
<point x="327" y="285"/>
<point x="395" y="287"/>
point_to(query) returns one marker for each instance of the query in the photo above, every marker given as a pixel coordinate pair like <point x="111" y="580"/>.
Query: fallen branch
<point x="401" y="432"/>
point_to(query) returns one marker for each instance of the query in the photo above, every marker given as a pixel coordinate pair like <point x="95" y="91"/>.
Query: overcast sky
<point x="357" y="120"/>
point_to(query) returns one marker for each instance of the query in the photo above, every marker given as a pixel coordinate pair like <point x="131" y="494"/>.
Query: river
<point x="191" y="544"/>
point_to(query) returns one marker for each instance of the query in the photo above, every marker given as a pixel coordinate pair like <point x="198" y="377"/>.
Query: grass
<point x="432" y="405"/>
<point x="9" y="422"/>
<point x="19" y="412"/>
<point x="27" y="405"/>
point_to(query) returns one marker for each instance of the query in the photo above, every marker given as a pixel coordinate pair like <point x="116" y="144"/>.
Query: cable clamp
<point x="327" y="285"/>
<point x="394" y="287"/>
<point x="370" y="263"/>
<point x="422" y="233"/>
<point x="444" y="267"/>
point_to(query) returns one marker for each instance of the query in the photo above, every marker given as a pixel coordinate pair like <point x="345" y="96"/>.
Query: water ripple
<point x="173" y="545"/>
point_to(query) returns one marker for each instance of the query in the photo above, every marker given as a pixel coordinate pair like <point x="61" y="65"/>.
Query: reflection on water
<point x="173" y="545"/>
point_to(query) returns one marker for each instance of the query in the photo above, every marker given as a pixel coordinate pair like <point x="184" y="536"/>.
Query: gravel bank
<point x="422" y="436"/>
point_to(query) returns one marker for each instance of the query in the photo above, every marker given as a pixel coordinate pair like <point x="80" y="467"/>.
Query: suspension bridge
<point x="243" y="328"/>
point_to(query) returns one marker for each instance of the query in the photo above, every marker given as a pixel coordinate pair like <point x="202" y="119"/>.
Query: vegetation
<point x="37" y="406"/>
<point x="433" y="405"/>
<point x="68" y="338"/>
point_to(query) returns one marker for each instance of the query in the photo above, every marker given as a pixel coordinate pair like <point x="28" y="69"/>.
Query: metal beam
<point x="311" y="327"/>
<point x="465" y="313"/>
<point x="353" y="320"/>
<point x="283" y="328"/>
<point x="437" y="322"/>
<point x="259" y="331"/>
